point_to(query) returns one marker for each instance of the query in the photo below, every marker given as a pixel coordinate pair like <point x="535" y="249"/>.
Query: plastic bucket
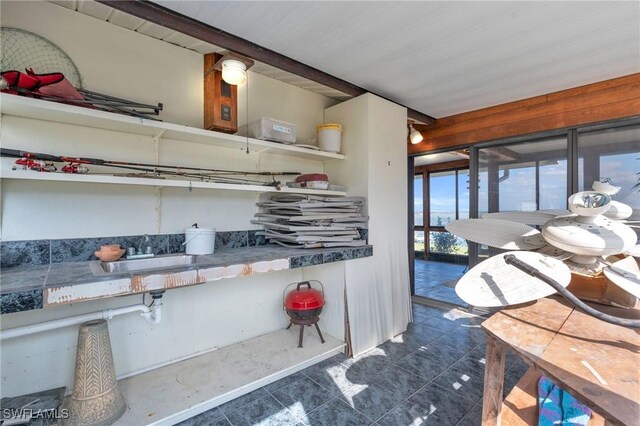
<point x="200" y="240"/>
<point x="329" y="137"/>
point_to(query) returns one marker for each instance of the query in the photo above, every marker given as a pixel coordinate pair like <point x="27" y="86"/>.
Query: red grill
<point x="304" y="305"/>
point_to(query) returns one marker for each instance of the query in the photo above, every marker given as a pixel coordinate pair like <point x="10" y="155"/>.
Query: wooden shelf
<point x="159" y="183"/>
<point x="20" y="106"/>
<point x="206" y="381"/>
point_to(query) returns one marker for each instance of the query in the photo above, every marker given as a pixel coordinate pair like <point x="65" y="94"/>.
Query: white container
<point x="330" y="137"/>
<point x="317" y="184"/>
<point x="200" y="240"/>
<point x="268" y="129"/>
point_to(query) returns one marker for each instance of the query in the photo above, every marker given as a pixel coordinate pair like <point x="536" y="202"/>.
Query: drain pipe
<point x="152" y="313"/>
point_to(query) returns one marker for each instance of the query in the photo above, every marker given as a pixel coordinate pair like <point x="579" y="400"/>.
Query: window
<point x="418" y="243"/>
<point x="614" y="154"/>
<point x="463" y="194"/>
<point x="535" y="175"/>
<point x="448" y="201"/>
<point x="418" y="205"/>
<point x="524" y="176"/>
<point x="442" y="198"/>
<point x="447" y="243"/>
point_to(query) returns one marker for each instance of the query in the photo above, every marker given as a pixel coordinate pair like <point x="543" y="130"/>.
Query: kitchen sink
<point x="136" y="265"/>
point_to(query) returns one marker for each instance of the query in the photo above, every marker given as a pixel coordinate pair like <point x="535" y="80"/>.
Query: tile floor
<point x="432" y="374"/>
<point x="431" y="278"/>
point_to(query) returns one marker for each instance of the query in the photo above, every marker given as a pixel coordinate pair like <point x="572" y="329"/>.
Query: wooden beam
<point x="593" y="103"/>
<point x="503" y="154"/>
<point x="438" y="167"/>
<point x="168" y="18"/>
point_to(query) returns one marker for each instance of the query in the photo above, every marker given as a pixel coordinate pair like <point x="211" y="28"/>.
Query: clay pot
<point x="109" y="252"/>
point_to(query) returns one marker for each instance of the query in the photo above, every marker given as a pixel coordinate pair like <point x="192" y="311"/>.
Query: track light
<point x="234" y="72"/>
<point x="414" y="136"/>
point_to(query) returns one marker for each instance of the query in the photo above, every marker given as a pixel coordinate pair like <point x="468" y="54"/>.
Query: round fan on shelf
<point x="22" y="50"/>
<point x="574" y="241"/>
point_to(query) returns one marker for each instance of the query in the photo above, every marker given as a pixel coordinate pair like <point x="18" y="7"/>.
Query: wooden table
<point x="555" y="339"/>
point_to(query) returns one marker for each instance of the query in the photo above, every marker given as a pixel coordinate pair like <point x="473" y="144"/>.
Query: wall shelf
<point x="20" y="106"/>
<point x="159" y="183"/>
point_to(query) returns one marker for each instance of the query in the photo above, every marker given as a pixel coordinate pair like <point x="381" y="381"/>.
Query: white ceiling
<point x="116" y="17"/>
<point x="442" y="58"/>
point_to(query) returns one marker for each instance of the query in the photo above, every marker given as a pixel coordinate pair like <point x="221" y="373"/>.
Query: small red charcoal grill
<point x="304" y="307"/>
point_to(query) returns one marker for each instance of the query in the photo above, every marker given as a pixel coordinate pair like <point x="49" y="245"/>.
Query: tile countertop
<point x="30" y="287"/>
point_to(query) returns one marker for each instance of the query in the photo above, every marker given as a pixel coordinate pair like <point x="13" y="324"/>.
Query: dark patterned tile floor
<point x="430" y="375"/>
<point x="435" y="280"/>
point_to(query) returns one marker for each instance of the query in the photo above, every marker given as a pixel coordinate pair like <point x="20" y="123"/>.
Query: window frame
<point x="426" y="171"/>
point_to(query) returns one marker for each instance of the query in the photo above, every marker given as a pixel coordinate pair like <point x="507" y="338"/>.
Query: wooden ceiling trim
<point x="598" y="102"/>
<point x="558" y="106"/>
<point x="170" y="19"/>
<point x="616" y="110"/>
<point x="529" y="102"/>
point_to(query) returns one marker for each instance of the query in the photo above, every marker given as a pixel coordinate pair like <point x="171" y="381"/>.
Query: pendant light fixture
<point x="414" y="136"/>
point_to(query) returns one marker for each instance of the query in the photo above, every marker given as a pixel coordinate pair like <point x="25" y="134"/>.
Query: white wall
<point x="124" y="63"/>
<point x="374" y="141"/>
<point x="272" y="98"/>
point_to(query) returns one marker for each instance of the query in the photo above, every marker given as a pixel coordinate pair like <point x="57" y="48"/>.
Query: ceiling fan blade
<point x="618" y="211"/>
<point x="494" y="283"/>
<point x="634" y="251"/>
<point x="625" y="274"/>
<point x="496" y="233"/>
<point x="534" y="218"/>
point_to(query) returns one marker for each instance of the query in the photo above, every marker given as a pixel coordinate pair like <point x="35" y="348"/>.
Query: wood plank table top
<point x="557" y="340"/>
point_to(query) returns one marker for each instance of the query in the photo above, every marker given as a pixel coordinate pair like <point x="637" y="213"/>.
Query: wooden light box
<point x="220" y="98"/>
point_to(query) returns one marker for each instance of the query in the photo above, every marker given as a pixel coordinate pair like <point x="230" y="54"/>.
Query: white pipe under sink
<point x="151" y="313"/>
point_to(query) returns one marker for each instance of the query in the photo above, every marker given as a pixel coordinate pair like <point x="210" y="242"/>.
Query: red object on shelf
<point x="27" y="163"/>
<point x="312" y="177"/>
<point x="75" y="169"/>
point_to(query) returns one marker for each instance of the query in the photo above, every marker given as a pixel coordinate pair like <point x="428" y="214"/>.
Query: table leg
<point x="493" y="382"/>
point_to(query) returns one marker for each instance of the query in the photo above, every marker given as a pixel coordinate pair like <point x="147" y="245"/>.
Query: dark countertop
<point x="34" y="287"/>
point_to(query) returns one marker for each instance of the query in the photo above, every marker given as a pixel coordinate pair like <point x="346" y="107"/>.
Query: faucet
<point x="144" y="250"/>
<point x="144" y="247"/>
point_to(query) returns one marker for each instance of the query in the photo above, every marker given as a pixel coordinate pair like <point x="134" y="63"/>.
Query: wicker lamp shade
<point x="96" y="399"/>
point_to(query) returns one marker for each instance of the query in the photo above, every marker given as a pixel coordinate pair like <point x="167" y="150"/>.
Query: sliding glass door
<point x="612" y="154"/>
<point x="523" y="176"/>
<point x="448" y="201"/>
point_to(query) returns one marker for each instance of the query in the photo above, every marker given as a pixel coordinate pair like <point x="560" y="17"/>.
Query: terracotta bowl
<point x="109" y="255"/>
<point x="110" y="247"/>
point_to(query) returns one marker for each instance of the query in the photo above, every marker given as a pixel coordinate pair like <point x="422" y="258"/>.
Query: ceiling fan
<point x="540" y="262"/>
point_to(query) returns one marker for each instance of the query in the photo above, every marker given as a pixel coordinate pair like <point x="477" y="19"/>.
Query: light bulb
<point x="234" y="72"/>
<point x="415" y="136"/>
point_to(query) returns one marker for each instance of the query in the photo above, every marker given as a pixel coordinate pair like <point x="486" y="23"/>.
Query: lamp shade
<point x="415" y="136"/>
<point x="234" y="72"/>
